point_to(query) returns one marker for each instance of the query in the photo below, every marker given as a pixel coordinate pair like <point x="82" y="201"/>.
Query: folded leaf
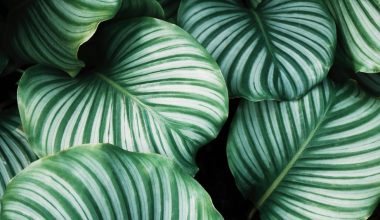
<point x="315" y="158"/>
<point x="157" y="91"/>
<point x="51" y="32"/>
<point x="105" y="182"/>
<point x="279" y="50"/>
<point x="359" y="30"/>
<point x="15" y="152"/>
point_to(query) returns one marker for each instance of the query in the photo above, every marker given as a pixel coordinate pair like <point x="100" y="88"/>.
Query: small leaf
<point x="105" y="182"/>
<point x="156" y="90"/>
<point x="315" y="158"/>
<point x="370" y="82"/>
<point x="171" y="9"/>
<point x="359" y="31"/>
<point x="279" y="50"/>
<point x="15" y="152"/>
<point x="51" y="32"/>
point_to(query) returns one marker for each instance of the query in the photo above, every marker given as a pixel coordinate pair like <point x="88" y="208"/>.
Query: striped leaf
<point x="315" y="158"/>
<point x="15" y="153"/>
<point x="279" y="50"/>
<point x="370" y="82"/>
<point x="51" y="32"/>
<point x="157" y="91"/>
<point x="105" y="182"/>
<point x="359" y="31"/>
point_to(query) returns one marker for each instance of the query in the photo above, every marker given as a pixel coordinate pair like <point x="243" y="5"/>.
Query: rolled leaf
<point x="315" y="158"/>
<point x="15" y="152"/>
<point x="157" y="91"/>
<point x="359" y="31"/>
<point x="278" y="50"/>
<point x="51" y="32"/>
<point x="105" y="182"/>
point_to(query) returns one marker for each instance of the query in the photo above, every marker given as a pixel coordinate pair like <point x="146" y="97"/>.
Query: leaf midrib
<point x="161" y="118"/>
<point x="291" y="163"/>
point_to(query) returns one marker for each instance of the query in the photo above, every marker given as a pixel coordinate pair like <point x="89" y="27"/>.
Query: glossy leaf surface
<point x="315" y="158"/>
<point x="279" y="50"/>
<point x="105" y="182"/>
<point x="156" y="90"/>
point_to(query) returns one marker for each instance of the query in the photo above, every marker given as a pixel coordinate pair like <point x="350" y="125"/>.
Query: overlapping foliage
<point x="130" y="79"/>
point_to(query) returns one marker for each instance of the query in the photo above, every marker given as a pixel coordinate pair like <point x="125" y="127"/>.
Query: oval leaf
<point x="105" y="182"/>
<point x="315" y="158"/>
<point x="157" y="91"/>
<point x="15" y="152"/>
<point x="359" y="31"/>
<point x="51" y="32"/>
<point x="279" y="50"/>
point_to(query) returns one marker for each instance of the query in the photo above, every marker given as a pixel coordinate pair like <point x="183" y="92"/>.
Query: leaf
<point x="157" y="90"/>
<point x="315" y="158"/>
<point x="370" y="82"/>
<point x="51" y="32"/>
<point x="15" y="153"/>
<point x="359" y="31"/>
<point x="105" y="182"/>
<point x="279" y="50"/>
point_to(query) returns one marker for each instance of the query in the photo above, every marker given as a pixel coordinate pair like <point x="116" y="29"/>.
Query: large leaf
<point x="157" y="91"/>
<point x="51" y="32"/>
<point x="279" y="50"/>
<point x="15" y="153"/>
<point x="359" y="31"/>
<point x="105" y="182"/>
<point x="315" y="158"/>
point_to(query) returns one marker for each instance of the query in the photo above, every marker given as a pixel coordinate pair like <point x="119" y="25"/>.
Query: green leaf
<point x="157" y="91"/>
<point x="359" y="31"/>
<point x="15" y="153"/>
<point x="105" y="182"/>
<point x="279" y="50"/>
<point x="315" y="158"/>
<point x="370" y="82"/>
<point x="51" y="32"/>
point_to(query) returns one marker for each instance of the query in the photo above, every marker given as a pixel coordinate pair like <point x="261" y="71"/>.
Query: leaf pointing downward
<point x="279" y="50"/>
<point x="157" y="90"/>
<point x="315" y="158"/>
